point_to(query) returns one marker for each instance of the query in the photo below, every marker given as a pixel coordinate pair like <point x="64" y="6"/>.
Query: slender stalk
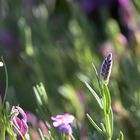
<point x="72" y="137"/>
<point x="19" y="132"/>
<point x="3" y="133"/>
<point x="107" y="121"/>
<point x="6" y="80"/>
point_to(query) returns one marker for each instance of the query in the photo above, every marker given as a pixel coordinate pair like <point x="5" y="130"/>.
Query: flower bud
<point x="106" y="69"/>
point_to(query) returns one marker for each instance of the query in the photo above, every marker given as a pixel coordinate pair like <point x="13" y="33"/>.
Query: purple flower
<point x="107" y="48"/>
<point x="124" y="2"/>
<point x="106" y="68"/>
<point x="43" y="126"/>
<point x="8" y="40"/>
<point x="90" y="6"/>
<point x="19" y="119"/>
<point x="65" y="129"/>
<point x="31" y="118"/>
<point x="63" y="122"/>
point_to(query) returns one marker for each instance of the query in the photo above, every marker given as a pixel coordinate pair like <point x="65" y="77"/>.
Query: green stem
<point x="6" y="80"/>
<point x="64" y="136"/>
<point x="3" y="133"/>
<point x="19" y="132"/>
<point x="72" y="137"/>
<point x="108" y="127"/>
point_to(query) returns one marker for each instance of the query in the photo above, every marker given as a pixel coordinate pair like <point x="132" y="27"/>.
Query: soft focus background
<point x="56" y="41"/>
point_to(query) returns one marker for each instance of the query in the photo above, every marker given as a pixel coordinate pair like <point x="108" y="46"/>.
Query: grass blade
<point x="94" y="124"/>
<point x="94" y="94"/>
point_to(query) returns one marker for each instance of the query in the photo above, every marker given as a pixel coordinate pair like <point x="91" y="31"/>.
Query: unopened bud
<point x="106" y="68"/>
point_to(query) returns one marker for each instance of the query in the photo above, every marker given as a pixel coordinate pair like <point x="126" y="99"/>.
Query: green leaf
<point x="97" y="77"/>
<point x="42" y="92"/>
<point x="95" y="125"/>
<point x="121" y="137"/>
<point x="103" y="127"/>
<point x="108" y="98"/>
<point x="94" y="94"/>
<point x="38" y="98"/>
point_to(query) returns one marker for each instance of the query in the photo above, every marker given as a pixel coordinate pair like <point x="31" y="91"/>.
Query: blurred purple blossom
<point x="121" y="40"/>
<point x="8" y="40"/>
<point x="126" y="14"/>
<point x="107" y="48"/>
<point x="81" y="97"/>
<point x="35" y="123"/>
<point x="32" y="119"/>
<point x="63" y="122"/>
<point x="43" y="128"/>
<point x="124" y="2"/>
<point x="92" y="5"/>
<point x="34" y="134"/>
<point x="121" y="10"/>
<point x="19" y="123"/>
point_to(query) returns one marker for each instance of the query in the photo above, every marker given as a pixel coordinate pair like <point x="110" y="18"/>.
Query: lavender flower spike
<point x="106" y="69"/>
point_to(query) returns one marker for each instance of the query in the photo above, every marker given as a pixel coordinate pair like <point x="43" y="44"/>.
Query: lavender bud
<point x="106" y="68"/>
